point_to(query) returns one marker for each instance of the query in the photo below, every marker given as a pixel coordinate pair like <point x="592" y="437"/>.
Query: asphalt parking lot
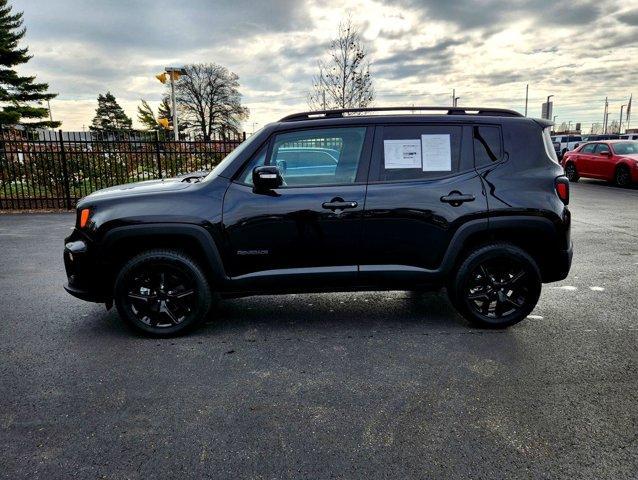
<point x="365" y="385"/>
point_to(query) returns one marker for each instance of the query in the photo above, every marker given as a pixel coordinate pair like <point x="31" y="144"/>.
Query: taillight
<point x="562" y="189"/>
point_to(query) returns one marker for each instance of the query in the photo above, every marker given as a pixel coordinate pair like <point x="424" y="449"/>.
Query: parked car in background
<point x="598" y="138"/>
<point x="614" y="160"/>
<point x="629" y="136"/>
<point x="565" y="143"/>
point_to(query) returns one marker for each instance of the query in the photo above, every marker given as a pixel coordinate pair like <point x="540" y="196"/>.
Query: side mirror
<point x="266" y="178"/>
<point x="606" y="154"/>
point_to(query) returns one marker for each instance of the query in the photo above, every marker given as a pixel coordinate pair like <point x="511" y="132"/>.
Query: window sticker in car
<point x="436" y="153"/>
<point x="402" y="153"/>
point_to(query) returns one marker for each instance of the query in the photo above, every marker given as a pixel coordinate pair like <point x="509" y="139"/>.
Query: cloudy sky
<point x="488" y="50"/>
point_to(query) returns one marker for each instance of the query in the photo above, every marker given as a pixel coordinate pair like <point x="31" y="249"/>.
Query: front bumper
<point x="85" y="280"/>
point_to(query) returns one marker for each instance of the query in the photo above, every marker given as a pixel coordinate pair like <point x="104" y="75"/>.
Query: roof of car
<point x="401" y="113"/>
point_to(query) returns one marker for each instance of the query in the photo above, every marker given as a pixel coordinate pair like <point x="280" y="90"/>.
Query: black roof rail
<point x="321" y="114"/>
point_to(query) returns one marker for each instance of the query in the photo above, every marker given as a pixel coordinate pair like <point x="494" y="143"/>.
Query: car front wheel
<point x="162" y="293"/>
<point x="496" y="286"/>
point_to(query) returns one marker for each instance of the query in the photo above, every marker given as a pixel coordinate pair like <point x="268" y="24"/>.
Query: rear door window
<point x="416" y="152"/>
<point x="589" y="148"/>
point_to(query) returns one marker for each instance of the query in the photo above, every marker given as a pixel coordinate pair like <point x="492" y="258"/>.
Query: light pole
<point x="456" y="101"/>
<point x="569" y="126"/>
<point x="620" y="125"/>
<point x="549" y="113"/>
<point x="173" y="73"/>
<point x="526" y="97"/>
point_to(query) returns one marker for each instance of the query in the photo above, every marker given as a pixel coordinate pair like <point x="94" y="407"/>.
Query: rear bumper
<point x="559" y="268"/>
<point x="84" y="278"/>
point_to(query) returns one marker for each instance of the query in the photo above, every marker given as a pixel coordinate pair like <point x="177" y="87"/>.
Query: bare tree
<point x="343" y="81"/>
<point x="614" y="127"/>
<point x="596" y="128"/>
<point x="208" y="99"/>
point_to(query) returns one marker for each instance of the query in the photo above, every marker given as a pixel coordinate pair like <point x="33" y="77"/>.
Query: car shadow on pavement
<point x="345" y="312"/>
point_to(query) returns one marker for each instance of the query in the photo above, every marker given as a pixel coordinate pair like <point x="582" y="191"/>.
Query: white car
<point x="629" y="136"/>
<point x="565" y="143"/>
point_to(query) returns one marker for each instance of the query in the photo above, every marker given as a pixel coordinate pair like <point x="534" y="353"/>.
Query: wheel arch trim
<point x="194" y="232"/>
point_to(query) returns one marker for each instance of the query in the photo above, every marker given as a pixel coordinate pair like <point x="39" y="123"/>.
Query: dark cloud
<point x="161" y="25"/>
<point x="480" y="14"/>
<point x="630" y="17"/>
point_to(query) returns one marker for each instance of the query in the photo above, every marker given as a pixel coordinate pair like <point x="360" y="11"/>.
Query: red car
<point x="611" y="160"/>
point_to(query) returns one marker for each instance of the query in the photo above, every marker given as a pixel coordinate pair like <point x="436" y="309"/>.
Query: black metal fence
<point x="53" y="170"/>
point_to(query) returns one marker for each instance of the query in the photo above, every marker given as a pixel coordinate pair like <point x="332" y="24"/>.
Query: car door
<point x="422" y="182"/>
<point x="310" y="228"/>
<point x="602" y="163"/>
<point x="584" y="159"/>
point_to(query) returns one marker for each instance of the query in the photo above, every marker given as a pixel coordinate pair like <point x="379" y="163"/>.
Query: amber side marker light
<point x="84" y="217"/>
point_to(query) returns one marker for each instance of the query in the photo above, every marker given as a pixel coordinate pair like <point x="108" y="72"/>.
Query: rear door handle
<point x="456" y="198"/>
<point x="338" y="204"/>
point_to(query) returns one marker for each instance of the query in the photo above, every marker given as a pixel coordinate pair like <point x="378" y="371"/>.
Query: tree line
<point x="207" y="95"/>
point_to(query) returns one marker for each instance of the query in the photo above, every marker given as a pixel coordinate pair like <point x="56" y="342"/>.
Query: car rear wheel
<point x="622" y="176"/>
<point x="496" y="286"/>
<point x="571" y="173"/>
<point x="162" y="293"/>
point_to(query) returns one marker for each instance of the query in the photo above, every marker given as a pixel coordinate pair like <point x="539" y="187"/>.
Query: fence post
<point x="65" y="173"/>
<point x="158" y="155"/>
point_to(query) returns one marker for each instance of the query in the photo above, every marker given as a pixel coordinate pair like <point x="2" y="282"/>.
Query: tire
<point x="493" y="275"/>
<point x="162" y="293"/>
<point x="571" y="172"/>
<point x="622" y="177"/>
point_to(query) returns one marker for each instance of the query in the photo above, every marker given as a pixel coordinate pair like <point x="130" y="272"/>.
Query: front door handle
<point x="339" y="204"/>
<point x="456" y="198"/>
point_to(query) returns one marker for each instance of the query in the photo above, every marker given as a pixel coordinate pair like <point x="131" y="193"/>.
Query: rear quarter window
<point x="488" y="144"/>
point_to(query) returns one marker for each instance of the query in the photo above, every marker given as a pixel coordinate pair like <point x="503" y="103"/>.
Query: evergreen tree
<point x="109" y="116"/>
<point x="21" y="98"/>
<point x="146" y="116"/>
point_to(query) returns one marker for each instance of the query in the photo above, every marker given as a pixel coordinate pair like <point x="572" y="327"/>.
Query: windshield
<point x="626" y="148"/>
<point x="228" y="159"/>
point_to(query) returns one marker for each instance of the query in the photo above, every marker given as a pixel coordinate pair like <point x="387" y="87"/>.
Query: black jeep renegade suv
<point x="469" y="199"/>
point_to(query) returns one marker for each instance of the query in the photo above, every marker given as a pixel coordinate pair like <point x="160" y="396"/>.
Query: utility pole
<point x="454" y="97"/>
<point x="456" y="101"/>
<point x="620" y="125"/>
<point x="605" y="113"/>
<point x="323" y="95"/>
<point x="569" y="126"/>
<point x="526" y="97"/>
<point x="50" y="114"/>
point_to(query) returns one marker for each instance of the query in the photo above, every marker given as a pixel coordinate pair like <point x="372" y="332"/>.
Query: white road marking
<point x="567" y="287"/>
<point x="597" y="289"/>
<point x="534" y="317"/>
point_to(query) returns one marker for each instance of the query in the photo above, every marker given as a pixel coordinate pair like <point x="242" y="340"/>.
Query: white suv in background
<point x="629" y="136"/>
<point x="565" y="143"/>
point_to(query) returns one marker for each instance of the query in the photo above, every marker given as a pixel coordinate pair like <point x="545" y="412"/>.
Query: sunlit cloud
<point x="487" y="50"/>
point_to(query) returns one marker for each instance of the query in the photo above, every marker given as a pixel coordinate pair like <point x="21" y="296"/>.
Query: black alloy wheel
<point x="571" y="173"/>
<point x="496" y="286"/>
<point x="162" y="292"/>
<point x="623" y="176"/>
